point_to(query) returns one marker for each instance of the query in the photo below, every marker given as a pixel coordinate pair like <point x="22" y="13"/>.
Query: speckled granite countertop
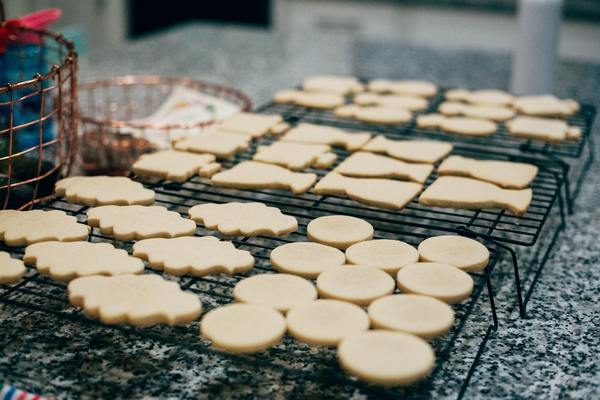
<point x="552" y="354"/>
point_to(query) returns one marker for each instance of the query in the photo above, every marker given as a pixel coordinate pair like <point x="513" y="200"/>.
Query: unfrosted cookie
<point x="459" y="251"/>
<point x="258" y="175"/>
<point x="545" y="106"/>
<point x="20" y="228"/>
<point x="309" y="99"/>
<point x="410" y="103"/>
<point x="250" y="124"/>
<point x="358" y="284"/>
<point x="418" y="151"/>
<point x="67" y="261"/>
<point x="507" y="174"/>
<point x="363" y="164"/>
<point x="326" y="322"/>
<point x="311" y="133"/>
<point x="278" y="291"/>
<point x="11" y="269"/>
<point x="306" y="259"/>
<point x="209" y="169"/>
<point x="386" y="358"/>
<point x="103" y="190"/>
<point x="220" y="143"/>
<point x="139" y="300"/>
<point x="458" y="125"/>
<point x="197" y="256"/>
<point x="339" y="231"/>
<point x="295" y="156"/>
<point x="139" y="222"/>
<point x="494" y="113"/>
<point x="483" y="97"/>
<point x="173" y="165"/>
<point x="385" y="254"/>
<point x="384" y="193"/>
<point x="552" y="130"/>
<point x="467" y="193"/>
<point x="332" y="84"/>
<point x="243" y="328"/>
<point x="403" y="87"/>
<point x="441" y="281"/>
<point x="325" y="160"/>
<point x="280" y="128"/>
<point x="423" y="316"/>
<point x="380" y="114"/>
<point x="243" y="219"/>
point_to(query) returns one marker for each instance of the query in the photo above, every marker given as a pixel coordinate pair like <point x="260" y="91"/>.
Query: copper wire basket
<point x="38" y="126"/>
<point x="109" y="110"/>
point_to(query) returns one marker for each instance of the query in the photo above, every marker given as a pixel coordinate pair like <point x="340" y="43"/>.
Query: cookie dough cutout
<point x="311" y="133"/>
<point x="258" y="175"/>
<point x="127" y="223"/>
<point x="20" y="228"/>
<point x="11" y="269"/>
<point x="220" y="143"/>
<point x="306" y="259"/>
<point x="339" y="231"/>
<point x="417" y="151"/>
<point x="459" y="251"/>
<point x="309" y="99"/>
<point x="467" y="193"/>
<point x="363" y="164"/>
<point x="103" y="190"/>
<point x="278" y="291"/>
<point x="358" y="284"/>
<point x="409" y="103"/>
<point x="494" y="113"/>
<point x="383" y="193"/>
<point x="250" y="124"/>
<point x="243" y="219"/>
<point x="66" y="261"/>
<point x="177" y="166"/>
<point x="295" y="156"/>
<point x="483" y="97"/>
<point x="384" y="254"/>
<point x="419" y="315"/>
<point x="387" y="115"/>
<point x="458" y="125"/>
<point x="243" y="328"/>
<point x="196" y="256"/>
<point x="548" y="129"/>
<point x="441" y="281"/>
<point x="326" y="322"/>
<point x="386" y="358"/>
<point x="332" y="84"/>
<point x="404" y="87"/>
<point x="138" y="300"/>
<point x="545" y="106"/>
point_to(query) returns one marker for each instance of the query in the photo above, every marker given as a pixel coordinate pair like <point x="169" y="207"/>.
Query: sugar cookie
<point x="208" y="170"/>
<point x="306" y="259"/>
<point x="410" y="103"/>
<point x="459" y="251"/>
<point x="467" y="193"/>
<point x="295" y="156"/>
<point x="197" y="256"/>
<point x="67" y="261"/>
<point x="250" y="124"/>
<point x="419" y="315"/>
<point x="177" y="166"/>
<point x="243" y="328"/>
<point x="363" y="164"/>
<point x="332" y="84"/>
<point x="385" y="254"/>
<point x="404" y="87"/>
<point x="310" y="133"/>
<point x="139" y="222"/>
<point x="325" y="160"/>
<point x="384" y="193"/>
<point x="309" y="99"/>
<point x="506" y="174"/>
<point x="358" y="284"/>
<point x="458" y="125"/>
<point x="493" y="113"/>
<point x="387" y="358"/>
<point x="339" y="231"/>
<point x="243" y="219"/>
<point x="139" y="300"/>
<point x="483" y="97"/>
<point x="258" y="175"/>
<point x="326" y="322"/>
<point x="20" y="228"/>
<point x="103" y="190"/>
<point x="220" y="143"/>
<point x="376" y="114"/>
<point x="441" y="281"/>
<point x="11" y="269"/>
<point x="280" y="128"/>
<point x="545" y="106"/>
<point x="552" y="130"/>
<point x="418" y="151"/>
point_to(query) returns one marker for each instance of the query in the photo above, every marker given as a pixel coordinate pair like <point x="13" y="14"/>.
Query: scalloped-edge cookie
<point x="482" y="97"/>
<point x="363" y="164"/>
<point x="312" y="133"/>
<point x="411" y="103"/>
<point x="403" y="87"/>
<point x="67" y="261"/>
<point x="251" y="124"/>
<point x="177" y="166"/>
<point x="494" y="113"/>
<point x="320" y="100"/>
<point x="11" y="269"/>
<point x="138" y="300"/>
<point x="139" y="222"/>
<point x="549" y="129"/>
<point x="220" y="143"/>
<point x="545" y="106"/>
<point x="197" y="256"/>
<point x="295" y="156"/>
<point x="418" y="151"/>
<point x="243" y="219"/>
<point x="458" y="125"/>
<point x="332" y="84"/>
<point x="20" y="228"/>
<point x="104" y="190"/>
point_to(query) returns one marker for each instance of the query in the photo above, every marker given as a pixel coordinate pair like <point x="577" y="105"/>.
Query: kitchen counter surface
<point x="552" y="354"/>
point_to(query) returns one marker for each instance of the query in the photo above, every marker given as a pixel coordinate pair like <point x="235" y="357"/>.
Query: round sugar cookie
<point x="339" y="231"/>
<point x="423" y="316"/>
<point x="464" y="253"/>
<point x="278" y="291"/>
<point x="387" y="255"/>
<point x="358" y="284"/>
<point x="326" y="322"/>
<point x="306" y="259"/>
<point x="11" y="269"/>
<point x="386" y="357"/>
<point x="383" y="114"/>
<point x="441" y="281"/>
<point x="243" y="328"/>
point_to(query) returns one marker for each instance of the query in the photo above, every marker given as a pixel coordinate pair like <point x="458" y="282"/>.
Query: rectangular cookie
<point x="418" y="151"/>
<point x="363" y="164"/>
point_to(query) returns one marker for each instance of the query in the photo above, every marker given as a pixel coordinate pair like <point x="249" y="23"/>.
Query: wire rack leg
<point x="491" y="329"/>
